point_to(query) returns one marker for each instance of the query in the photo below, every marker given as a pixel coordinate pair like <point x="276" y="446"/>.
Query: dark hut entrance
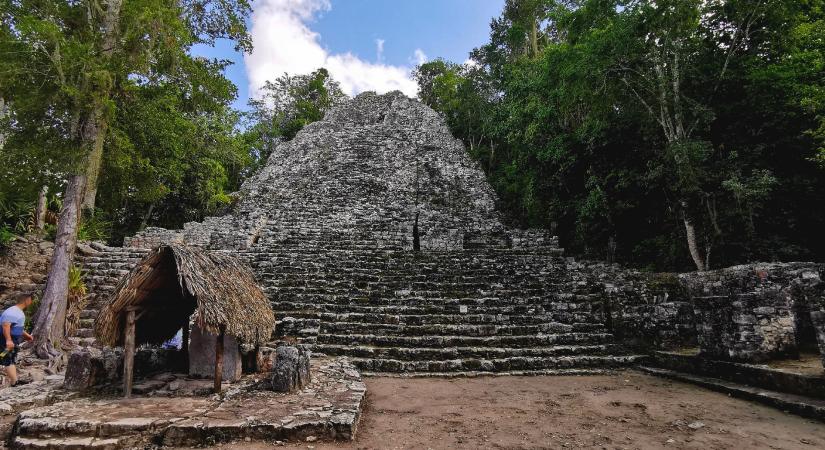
<point x="212" y="296"/>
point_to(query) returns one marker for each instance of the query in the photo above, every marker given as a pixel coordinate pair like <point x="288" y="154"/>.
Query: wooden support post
<point x="129" y="352"/>
<point x="219" y="359"/>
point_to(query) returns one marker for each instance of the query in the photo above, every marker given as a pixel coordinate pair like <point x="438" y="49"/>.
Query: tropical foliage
<point x="288" y="104"/>
<point x="669" y="134"/>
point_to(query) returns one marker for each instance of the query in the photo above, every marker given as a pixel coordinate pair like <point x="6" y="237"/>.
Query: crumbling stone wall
<point x="642" y="309"/>
<point x="756" y="312"/>
<point x="746" y="327"/>
<point x="152" y="237"/>
<point x="747" y="313"/>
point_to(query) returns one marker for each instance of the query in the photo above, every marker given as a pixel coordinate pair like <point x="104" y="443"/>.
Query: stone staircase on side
<point x="103" y="267"/>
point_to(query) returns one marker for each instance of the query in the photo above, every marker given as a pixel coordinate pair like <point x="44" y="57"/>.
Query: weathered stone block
<point x="91" y="367"/>
<point x="202" y="355"/>
<point x="290" y="369"/>
<point x="746" y="327"/>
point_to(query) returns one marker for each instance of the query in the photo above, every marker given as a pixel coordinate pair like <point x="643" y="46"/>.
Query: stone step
<point x="353" y="263"/>
<point x="506" y="307"/>
<point x="442" y="324"/>
<point x="103" y="279"/>
<point x="392" y="288"/>
<point x="434" y="341"/>
<point x="498" y="297"/>
<point x="311" y="264"/>
<point x="495" y="364"/>
<point x="797" y="404"/>
<point x="85" y="333"/>
<point x="262" y="250"/>
<point x="377" y="288"/>
<point x="436" y="319"/>
<point x="458" y="330"/>
<point x="476" y="373"/>
<point x="66" y="443"/>
<point x="83" y="341"/>
<point x="85" y="322"/>
<point x="451" y="353"/>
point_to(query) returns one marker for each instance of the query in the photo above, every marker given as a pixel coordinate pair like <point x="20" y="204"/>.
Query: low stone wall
<point x="757" y="312"/>
<point x="152" y="237"/>
<point x="744" y="313"/>
<point x="746" y="327"/>
<point x="818" y="319"/>
<point x="92" y="367"/>
<point x="756" y="375"/>
<point x="643" y="310"/>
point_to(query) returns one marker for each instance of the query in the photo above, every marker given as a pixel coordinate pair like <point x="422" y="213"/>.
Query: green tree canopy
<point x="656" y="133"/>
<point x="288" y="104"/>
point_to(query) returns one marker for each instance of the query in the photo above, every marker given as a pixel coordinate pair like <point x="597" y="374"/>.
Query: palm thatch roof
<point x="173" y="282"/>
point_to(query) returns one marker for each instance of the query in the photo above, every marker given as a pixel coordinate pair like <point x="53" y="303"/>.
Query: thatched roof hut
<point x="175" y="281"/>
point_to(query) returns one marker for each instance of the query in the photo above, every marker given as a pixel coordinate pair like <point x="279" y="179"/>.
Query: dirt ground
<point x="627" y="410"/>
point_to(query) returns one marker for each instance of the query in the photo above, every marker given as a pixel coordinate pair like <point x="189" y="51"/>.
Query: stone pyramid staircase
<point x="348" y="291"/>
<point x="488" y="310"/>
<point x="329" y="224"/>
<point x="102" y="270"/>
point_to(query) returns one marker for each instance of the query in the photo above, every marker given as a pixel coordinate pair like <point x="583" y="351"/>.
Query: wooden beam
<point x="219" y="359"/>
<point x="129" y="353"/>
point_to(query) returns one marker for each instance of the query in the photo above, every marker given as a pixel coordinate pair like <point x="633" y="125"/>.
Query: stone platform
<point x="328" y="409"/>
<point x="795" y="385"/>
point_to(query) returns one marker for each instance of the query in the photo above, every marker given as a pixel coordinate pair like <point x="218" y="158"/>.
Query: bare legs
<point x="11" y="372"/>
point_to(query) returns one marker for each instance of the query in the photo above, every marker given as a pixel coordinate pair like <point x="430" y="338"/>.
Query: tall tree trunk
<point x="146" y="217"/>
<point x="49" y="330"/>
<point x="534" y="37"/>
<point x="111" y="33"/>
<point x="692" y="240"/>
<point x="94" y="161"/>
<point x="92" y="125"/>
<point x="4" y="111"/>
<point x="40" y="210"/>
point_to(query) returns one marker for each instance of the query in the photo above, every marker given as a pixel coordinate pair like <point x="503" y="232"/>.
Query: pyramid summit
<point x="374" y="166"/>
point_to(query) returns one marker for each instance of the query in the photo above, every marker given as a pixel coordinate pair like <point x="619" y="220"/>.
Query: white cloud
<point x="419" y="57"/>
<point x="379" y="49"/>
<point x="284" y="43"/>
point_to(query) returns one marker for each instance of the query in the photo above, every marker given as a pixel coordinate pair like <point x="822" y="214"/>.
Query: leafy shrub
<point x="6" y="235"/>
<point x="51" y="231"/>
<point x="94" y="228"/>
<point x="77" y="299"/>
<point x="17" y="213"/>
<point x="31" y="313"/>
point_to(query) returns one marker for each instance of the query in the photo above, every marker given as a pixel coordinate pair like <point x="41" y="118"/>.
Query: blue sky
<point x="366" y="44"/>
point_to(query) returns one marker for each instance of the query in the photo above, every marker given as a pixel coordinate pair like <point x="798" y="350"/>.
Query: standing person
<point x="12" y="320"/>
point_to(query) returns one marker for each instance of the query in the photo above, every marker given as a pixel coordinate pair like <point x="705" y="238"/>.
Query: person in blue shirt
<point x="12" y="321"/>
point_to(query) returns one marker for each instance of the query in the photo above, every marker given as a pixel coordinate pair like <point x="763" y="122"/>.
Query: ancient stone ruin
<point x="375" y="236"/>
<point x="378" y="243"/>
